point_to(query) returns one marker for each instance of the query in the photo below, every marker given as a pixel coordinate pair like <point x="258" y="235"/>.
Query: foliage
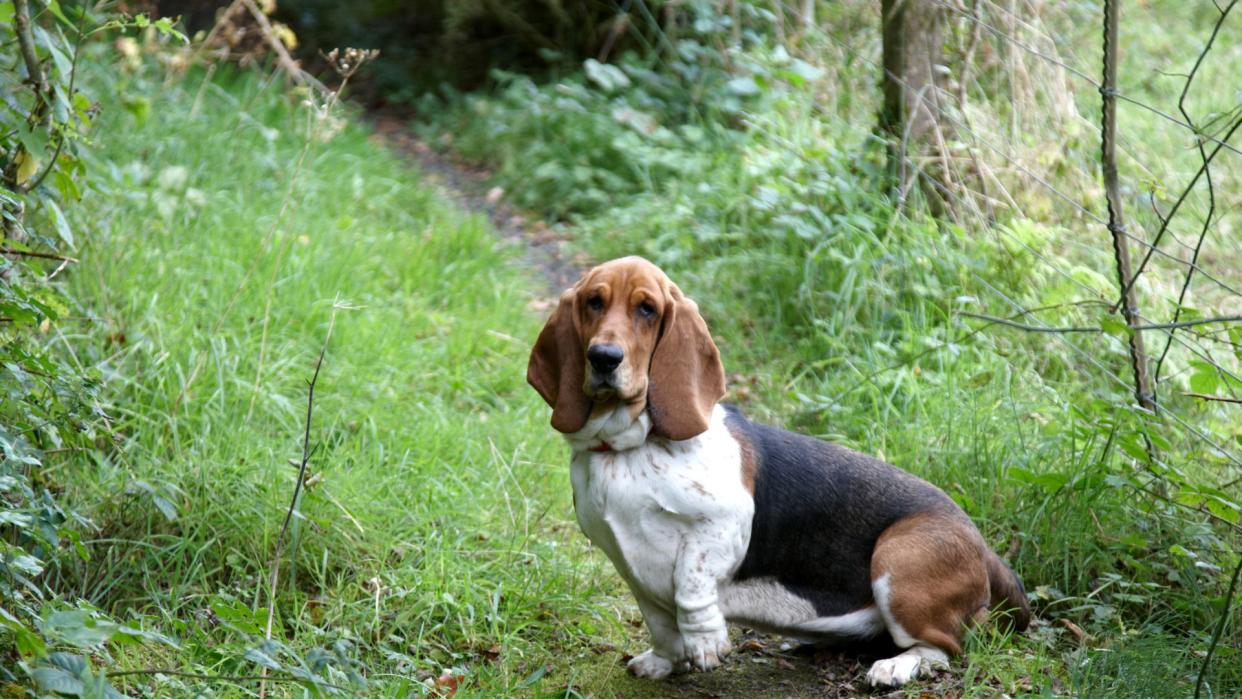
<point x="413" y="556"/>
<point x="843" y="315"/>
<point x="49" y="402"/>
<point x="434" y="549"/>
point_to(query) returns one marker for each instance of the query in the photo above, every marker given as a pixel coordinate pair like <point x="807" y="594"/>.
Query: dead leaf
<point x="1075" y="630"/>
<point x="446" y="685"/>
<point x="752" y="644"/>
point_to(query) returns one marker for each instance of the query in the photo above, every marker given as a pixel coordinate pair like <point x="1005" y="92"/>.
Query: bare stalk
<point x="274" y="577"/>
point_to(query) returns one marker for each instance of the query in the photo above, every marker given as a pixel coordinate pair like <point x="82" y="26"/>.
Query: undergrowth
<point x="761" y="192"/>
<point x="431" y="548"/>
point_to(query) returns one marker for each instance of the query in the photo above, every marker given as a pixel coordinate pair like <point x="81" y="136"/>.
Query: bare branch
<point x="1220" y="626"/>
<point x="41" y="255"/>
<point x="290" y="66"/>
<point x="1209" y="396"/>
<point x="1207" y="220"/>
<point x="25" y="41"/>
<point x="1084" y="329"/>
<point x="293" y="503"/>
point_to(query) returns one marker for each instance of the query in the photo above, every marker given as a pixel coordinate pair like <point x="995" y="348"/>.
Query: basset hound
<point x="711" y="518"/>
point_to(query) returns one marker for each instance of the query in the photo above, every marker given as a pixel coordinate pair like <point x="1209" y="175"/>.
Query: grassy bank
<point x="433" y="534"/>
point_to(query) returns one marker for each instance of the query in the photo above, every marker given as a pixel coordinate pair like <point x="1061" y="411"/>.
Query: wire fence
<point x="1136" y="170"/>
<point x="1154" y="212"/>
<point x="1176" y="306"/>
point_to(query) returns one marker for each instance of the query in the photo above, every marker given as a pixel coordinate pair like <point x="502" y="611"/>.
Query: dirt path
<point x="467" y="187"/>
<point x="762" y="665"/>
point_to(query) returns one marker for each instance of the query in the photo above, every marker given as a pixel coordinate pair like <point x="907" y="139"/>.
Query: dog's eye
<point x="646" y="310"/>
<point x="595" y="303"/>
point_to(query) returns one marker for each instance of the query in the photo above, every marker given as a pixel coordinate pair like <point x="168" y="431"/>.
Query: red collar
<point x="603" y="447"/>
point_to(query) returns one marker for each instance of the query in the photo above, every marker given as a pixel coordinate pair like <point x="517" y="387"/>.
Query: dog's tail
<point x="1008" y="595"/>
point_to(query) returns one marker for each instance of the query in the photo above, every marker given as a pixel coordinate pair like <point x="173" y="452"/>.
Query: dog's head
<point x="626" y="334"/>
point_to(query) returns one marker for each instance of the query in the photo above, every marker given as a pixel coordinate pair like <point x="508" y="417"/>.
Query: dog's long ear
<point x="557" y="367"/>
<point x="686" y="377"/>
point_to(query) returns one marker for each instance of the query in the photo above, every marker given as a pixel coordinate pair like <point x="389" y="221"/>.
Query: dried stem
<point x="274" y="578"/>
<point x="40" y="255"/>
<point x="1220" y="628"/>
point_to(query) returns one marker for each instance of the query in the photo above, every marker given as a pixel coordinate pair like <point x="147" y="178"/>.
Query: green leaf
<point x="1204" y="379"/>
<point x="68" y="662"/>
<point x="1114" y="326"/>
<point x="533" y="677"/>
<point x="1182" y="551"/>
<point x="61" y="223"/>
<point x="257" y="655"/>
<point x="743" y="86"/>
<point x="6" y="12"/>
<point x="239" y="616"/>
<point x="1225" y="509"/>
<point x="54" y="6"/>
<point x="800" y="72"/>
<point x="608" y="77"/>
<point x="79" y="628"/>
<point x="54" y="679"/>
<point x="166" y="507"/>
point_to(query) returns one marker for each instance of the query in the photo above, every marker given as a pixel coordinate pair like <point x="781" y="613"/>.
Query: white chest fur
<point x="674" y="517"/>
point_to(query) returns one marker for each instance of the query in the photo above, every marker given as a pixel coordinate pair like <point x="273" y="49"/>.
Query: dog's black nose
<point x="605" y="358"/>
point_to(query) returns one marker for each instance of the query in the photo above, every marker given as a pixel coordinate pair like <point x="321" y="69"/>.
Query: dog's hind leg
<point x="930" y="580"/>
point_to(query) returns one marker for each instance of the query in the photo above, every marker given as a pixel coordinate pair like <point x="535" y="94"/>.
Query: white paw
<point x="705" y="650"/>
<point x="896" y="671"/>
<point x="650" y="666"/>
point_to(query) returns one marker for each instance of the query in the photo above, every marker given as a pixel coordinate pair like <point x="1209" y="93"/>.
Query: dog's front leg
<point x="704" y="635"/>
<point x="666" y="653"/>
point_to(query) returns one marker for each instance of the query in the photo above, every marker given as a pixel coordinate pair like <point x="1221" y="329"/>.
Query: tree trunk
<point x="913" y="39"/>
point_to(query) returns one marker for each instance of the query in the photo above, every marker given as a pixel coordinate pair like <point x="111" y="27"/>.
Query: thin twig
<point x="40" y="255"/>
<point x="287" y="241"/>
<point x="1091" y="81"/>
<point x="60" y="142"/>
<point x="293" y="503"/>
<point x="26" y="43"/>
<point x="1155" y="243"/>
<point x="1207" y="221"/>
<point x="224" y="678"/>
<point x="290" y="66"/>
<point x="1081" y="329"/>
<point x="1220" y="628"/>
<point x="994" y="320"/>
<point x="1209" y="396"/>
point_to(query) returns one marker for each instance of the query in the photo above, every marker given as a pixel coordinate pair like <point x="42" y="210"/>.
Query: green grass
<point x="838" y="315"/>
<point x="434" y="530"/>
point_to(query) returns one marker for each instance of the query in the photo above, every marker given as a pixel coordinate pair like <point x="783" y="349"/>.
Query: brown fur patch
<point x="938" y="576"/>
<point x="749" y="463"/>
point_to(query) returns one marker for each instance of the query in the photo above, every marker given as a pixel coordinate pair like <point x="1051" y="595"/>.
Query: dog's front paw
<point x="706" y="649"/>
<point x="916" y="662"/>
<point x="650" y="666"/>
<point x="893" y="672"/>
